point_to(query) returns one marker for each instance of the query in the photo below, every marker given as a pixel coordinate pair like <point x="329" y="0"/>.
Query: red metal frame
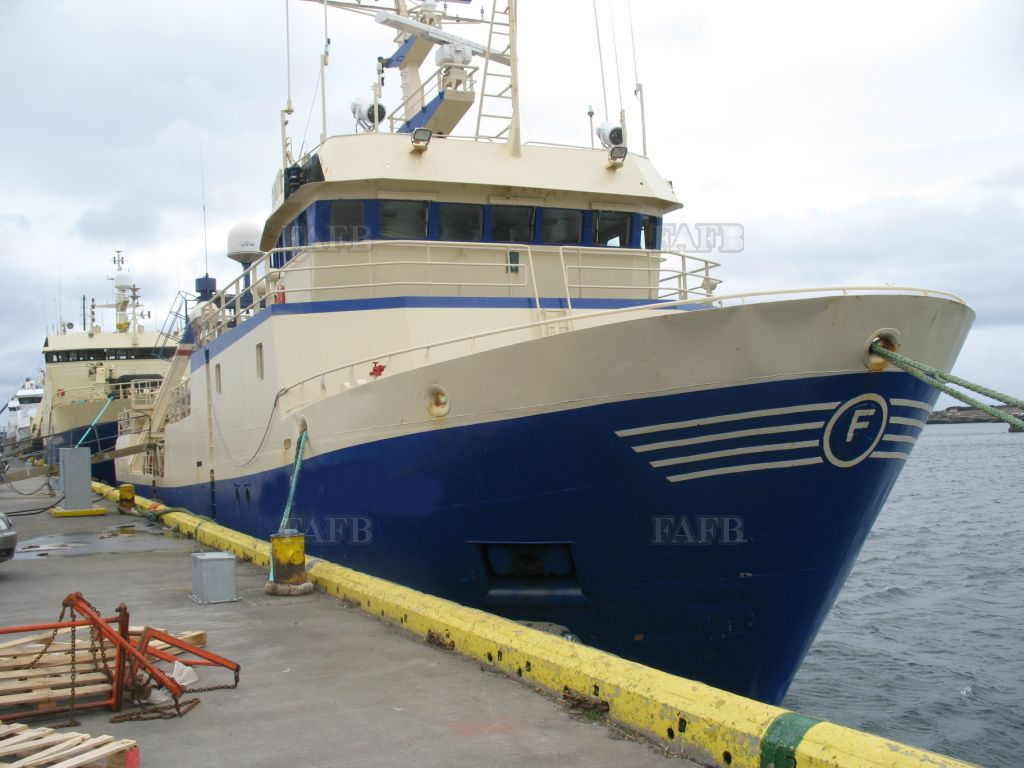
<point x="113" y="702"/>
<point x="131" y="662"/>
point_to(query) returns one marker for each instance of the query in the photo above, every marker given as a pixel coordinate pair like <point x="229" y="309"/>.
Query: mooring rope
<point x="99" y="416"/>
<point x="299" y="450"/>
<point x="938" y="379"/>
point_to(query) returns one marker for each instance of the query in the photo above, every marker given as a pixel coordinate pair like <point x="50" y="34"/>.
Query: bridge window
<point x="648" y="232"/>
<point x="562" y="226"/>
<point x="611" y="228"/>
<point x="512" y="224"/>
<point x="460" y="221"/>
<point x="347" y="221"/>
<point x="403" y="220"/>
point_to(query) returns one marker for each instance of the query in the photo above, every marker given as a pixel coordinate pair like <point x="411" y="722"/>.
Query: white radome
<point x="244" y="242"/>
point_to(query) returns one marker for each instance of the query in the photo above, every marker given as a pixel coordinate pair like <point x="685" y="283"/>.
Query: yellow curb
<point x="710" y="726"/>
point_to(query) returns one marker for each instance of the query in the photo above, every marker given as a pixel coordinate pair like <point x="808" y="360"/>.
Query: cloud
<point x="866" y="144"/>
<point x="973" y="251"/>
<point x="1009" y="179"/>
<point x="13" y="221"/>
<point x="124" y="220"/>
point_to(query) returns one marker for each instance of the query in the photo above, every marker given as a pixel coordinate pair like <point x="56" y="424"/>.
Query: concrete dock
<point x="322" y="684"/>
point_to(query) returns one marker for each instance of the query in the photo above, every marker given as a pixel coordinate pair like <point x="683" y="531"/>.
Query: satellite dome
<point x="244" y="242"/>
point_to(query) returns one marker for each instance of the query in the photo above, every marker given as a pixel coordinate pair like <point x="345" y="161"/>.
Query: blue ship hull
<point x="102" y="437"/>
<point x="695" y="565"/>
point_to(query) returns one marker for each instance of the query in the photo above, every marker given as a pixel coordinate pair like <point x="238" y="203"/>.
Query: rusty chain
<point x="49" y="641"/>
<point x="159" y="712"/>
<point x="72" y="722"/>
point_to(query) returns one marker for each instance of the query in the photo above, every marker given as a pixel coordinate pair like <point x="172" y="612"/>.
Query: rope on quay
<point x="941" y="381"/>
<point x="300" y="449"/>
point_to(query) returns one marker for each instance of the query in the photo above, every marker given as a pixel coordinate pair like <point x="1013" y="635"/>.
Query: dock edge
<point x="704" y="724"/>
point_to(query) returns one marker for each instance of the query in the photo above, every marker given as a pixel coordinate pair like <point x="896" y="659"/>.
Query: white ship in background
<point x="19" y="411"/>
<point x="508" y="393"/>
<point x="94" y="375"/>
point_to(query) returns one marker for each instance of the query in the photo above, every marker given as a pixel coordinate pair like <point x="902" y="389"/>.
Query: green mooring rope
<point x="99" y="416"/>
<point x="938" y="379"/>
<point x="299" y="450"/>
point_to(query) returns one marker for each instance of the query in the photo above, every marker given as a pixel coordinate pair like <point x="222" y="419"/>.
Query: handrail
<point x="227" y="306"/>
<point x="660" y="305"/>
<point x="260" y="272"/>
<point x="103" y="390"/>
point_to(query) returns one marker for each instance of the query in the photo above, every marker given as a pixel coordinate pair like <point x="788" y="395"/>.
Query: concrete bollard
<point x="288" y="564"/>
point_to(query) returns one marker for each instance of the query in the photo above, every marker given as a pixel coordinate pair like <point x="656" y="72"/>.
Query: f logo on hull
<point x="855" y="429"/>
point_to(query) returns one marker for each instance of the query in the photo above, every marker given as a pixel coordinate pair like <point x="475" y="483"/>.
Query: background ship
<point x="93" y="376"/>
<point x="508" y="393"/>
<point x="19" y="412"/>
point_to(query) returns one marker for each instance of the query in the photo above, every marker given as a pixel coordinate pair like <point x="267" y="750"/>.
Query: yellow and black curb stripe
<point x="709" y="726"/>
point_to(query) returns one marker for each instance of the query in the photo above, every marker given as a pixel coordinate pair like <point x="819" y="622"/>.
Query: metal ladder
<point x="494" y="121"/>
<point x="562" y="318"/>
<point x="175" y="322"/>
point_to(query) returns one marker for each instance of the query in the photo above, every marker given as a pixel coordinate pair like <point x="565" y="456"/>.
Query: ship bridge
<point x="377" y="216"/>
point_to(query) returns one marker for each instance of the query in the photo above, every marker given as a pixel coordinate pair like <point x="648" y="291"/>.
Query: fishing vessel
<point x="94" y="375"/>
<point x="506" y="390"/>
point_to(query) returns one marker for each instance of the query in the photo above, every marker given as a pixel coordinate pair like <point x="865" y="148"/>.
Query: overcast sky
<point x="859" y="143"/>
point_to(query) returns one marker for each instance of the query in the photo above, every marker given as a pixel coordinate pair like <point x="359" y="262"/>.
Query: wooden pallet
<point x="32" y="685"/>
<point x="25" y="747"/>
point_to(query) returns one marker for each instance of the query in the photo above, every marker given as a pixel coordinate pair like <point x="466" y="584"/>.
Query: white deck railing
<point x="514" y="270"/>
<point x="139" y="391"/>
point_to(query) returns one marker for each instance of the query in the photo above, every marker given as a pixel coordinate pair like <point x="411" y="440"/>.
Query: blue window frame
<point x="512" y="223"/>
<point x="403" y="219"/>
<point x="612" y="229"/>
<point x="346" y="221"/>
<point x="561" y="226"/>
<point x="350" y="220"/>
<point x="460" y="221"/>
<point x="648" y="233"/>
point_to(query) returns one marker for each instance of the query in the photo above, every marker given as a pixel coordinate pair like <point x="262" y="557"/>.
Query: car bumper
<point x="8" y="542"/>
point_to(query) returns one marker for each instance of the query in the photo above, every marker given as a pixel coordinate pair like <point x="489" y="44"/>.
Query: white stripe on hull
<point x="903" y="402"/>
<point x="729" y="436"/>
<point x="745" y="468"/>
<point x="902" y="420"/>
<point x="727" y="417"/>
<point x="737" y="452"/>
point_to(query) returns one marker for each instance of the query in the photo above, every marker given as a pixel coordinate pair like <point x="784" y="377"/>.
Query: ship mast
<point x="420" y="29"/>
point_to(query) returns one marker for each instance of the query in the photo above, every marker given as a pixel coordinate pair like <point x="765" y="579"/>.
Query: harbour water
<point x="926" y="642"/>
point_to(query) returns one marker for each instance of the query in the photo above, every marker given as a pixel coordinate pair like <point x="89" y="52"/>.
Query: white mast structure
<point x="420" y="29"/>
